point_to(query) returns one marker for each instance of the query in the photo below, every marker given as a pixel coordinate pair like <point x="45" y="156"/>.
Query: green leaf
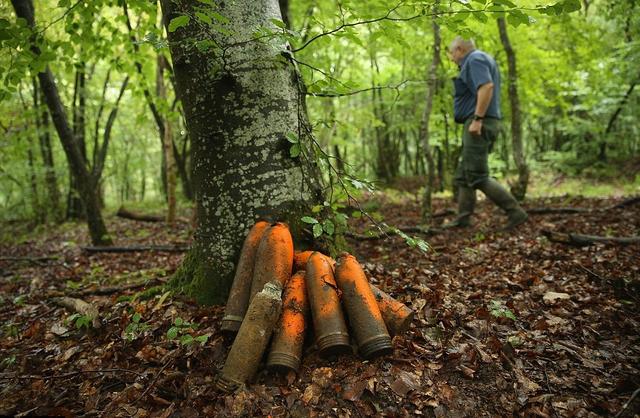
<point x="504" y="2"/>
<point x="279" y="23"/>
<point x="309" y="220"/>
<point x="571" y="6"/>
<point x="293" y="138"/>
<point x="178" y="322"/>
<point x="498" y="310"/>
<point x="186" y="339"/>
<point x="294" y="151"/>
<point x="219" y="18"/>
<point x="328" y="227"/>
<point x="317" y="230"/>
<point x="136" y="317"/>
<point x="83" y="321"/>
<point x="172" y="333"/>
<point x="316" y="209"/>
<point x="202" y="339"/>
<point x="204" y="18"/>
<point x="178" y="22"/>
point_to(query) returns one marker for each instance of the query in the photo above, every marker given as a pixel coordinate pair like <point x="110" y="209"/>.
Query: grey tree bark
<point x="240" y="100"/>
<point x="519" y="190"/>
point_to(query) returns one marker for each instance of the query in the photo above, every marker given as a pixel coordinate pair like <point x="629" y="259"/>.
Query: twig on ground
<point x="583" y="240"/>
<point x="155" y="379"/>
<point x="626" y="405"/>
<point x="138" y="248"/>
<point x="10" y="376"/>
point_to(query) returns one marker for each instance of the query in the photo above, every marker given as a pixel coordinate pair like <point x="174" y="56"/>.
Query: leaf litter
<point x="505" y="325"/>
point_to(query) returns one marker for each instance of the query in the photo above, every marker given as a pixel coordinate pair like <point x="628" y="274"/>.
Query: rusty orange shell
<point x="362" y="308"/>
<point x="332" y="336"/>
<point x="300" y="259"/>
<point x="397" y="316"/>
<point x="238" y="300"/>
<point x="274" y="258"/>
<point x="286" y="348"/>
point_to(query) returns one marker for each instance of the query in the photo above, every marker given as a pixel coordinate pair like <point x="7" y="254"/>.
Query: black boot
<point x="505" y="201"/>
<point x="466" y="205"/>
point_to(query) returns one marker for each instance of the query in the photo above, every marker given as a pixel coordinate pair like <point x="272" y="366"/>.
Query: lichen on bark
<point x="241" y="101"/>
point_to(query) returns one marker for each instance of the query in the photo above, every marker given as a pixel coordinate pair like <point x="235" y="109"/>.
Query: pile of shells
<point x="276" y="290"/>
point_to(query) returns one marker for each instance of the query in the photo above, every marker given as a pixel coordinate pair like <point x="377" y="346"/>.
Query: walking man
<point x="476" y="104"/>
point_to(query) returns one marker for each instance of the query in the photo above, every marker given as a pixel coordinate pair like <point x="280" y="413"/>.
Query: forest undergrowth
<point x="507" y="324"/>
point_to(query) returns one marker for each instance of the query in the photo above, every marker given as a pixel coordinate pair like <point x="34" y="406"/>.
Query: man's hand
<point x="475" y="128"/>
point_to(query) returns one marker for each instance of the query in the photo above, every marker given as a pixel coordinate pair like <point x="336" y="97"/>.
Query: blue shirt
<point x="476" y="68"/>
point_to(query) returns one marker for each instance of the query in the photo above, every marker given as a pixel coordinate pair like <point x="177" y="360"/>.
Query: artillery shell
<point x="397" y="316"/>
<point x="364" y="315"/>
<point x="332" y="336"/>
<point x="238" y="300"/>
<point x="252" y="339"/>
<point x="286" y="347"/>
<point x="274" y="258"/>
<point x="300" y="259"/>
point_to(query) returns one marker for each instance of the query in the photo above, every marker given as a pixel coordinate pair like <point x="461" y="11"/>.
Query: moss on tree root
<point x="199" y="281"/>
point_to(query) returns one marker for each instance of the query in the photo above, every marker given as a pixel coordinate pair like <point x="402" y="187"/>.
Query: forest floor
<point x="507" y="324"/>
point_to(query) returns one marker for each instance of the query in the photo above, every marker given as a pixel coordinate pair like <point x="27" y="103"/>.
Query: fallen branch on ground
<point x="582" y="240"/>
<point x="137" y="216"/>
<point x="81" y="307"/>
<point x="138" y="248"/>
<point x="544" y="210"/>
<point x="64" y="375"/>
<point x="109" y="290"/>
<point x="443" y="213"/>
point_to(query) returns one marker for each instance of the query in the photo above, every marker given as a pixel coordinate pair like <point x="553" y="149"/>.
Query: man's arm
<point x="485" y="93"/>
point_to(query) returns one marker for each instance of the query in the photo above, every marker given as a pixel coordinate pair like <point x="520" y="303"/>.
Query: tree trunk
<point x="519" y="190"/>
<point x="388" y="154"/>
<point x="167" y="146"/>
<point x="183" y="166"/>
<point x="424" y="124"/>
<point x="46" y="152"/>
<point x="75" y="207"/>
<point x="239" y="104"/>
<point x="86" y="186"/>
<point x="33" y="182"/>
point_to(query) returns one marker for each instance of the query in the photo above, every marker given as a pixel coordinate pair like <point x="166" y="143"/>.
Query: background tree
<point x="519" y="190"/>
<point x="86" y="182"/>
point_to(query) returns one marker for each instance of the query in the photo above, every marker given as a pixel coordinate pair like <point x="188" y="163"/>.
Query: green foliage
<point x="7" y="362"/>
<point x="181" y="21"/>
<point x="80" y="321"/>
<point x="182" y="330"/>
<point x="135" y="328"/>
<point x="499" y="310"/>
